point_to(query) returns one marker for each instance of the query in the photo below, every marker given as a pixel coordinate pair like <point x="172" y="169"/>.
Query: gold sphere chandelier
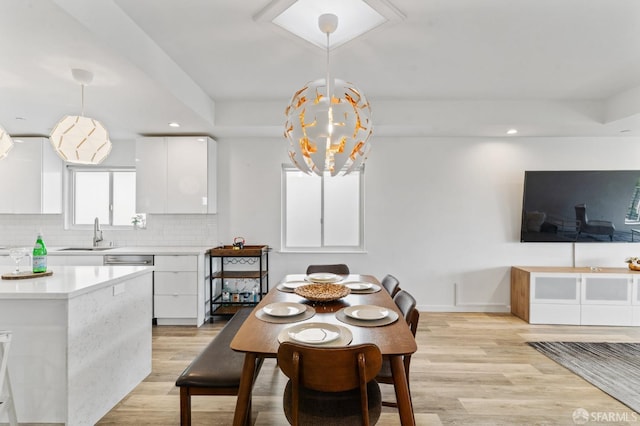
<point x="328" y="122"/>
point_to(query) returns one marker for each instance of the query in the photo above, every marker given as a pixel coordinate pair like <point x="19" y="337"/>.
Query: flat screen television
<point x="581" y="206"/>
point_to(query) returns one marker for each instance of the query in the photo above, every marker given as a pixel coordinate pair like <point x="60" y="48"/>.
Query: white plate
<point x="366" y="312"/>
<point x="294" y="284"/>
<point x="314" y="333"/>
<point x="358" y="285"/>
<point x="324" y="277"/>
<point x="284" y="309"/>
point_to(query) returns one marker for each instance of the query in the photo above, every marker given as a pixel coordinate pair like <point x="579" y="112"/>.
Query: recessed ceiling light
<point x="18" y="140"/>
<point x="512" y="131"/>
<point x="201" y="139"/>
<point x="174" y="124"/>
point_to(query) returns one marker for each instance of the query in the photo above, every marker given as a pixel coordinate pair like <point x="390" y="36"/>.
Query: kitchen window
<point x="108" y="194"/>
<point x="323" y="214"/>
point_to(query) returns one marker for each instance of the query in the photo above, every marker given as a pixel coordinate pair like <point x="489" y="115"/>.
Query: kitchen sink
<point x="86" y="248"/>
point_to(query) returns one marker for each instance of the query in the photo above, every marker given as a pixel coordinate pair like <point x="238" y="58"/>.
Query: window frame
<point x="360" y="248"/>
<point x="71" y="196"/>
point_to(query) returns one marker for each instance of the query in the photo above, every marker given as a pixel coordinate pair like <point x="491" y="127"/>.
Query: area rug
<point x="612" y="367"/>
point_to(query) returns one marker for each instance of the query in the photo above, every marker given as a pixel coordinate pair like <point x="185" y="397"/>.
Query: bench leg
<point x="185" y="406"/>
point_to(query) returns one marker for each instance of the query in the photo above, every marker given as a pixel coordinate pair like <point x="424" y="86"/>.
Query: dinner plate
<point x="314" y="333"/>
<point x="324" y="277"/>
<point x="366" y="312"/>
<point x="358" y="285"/>
<point x="294" y="284"/>
<point x="284" y="309"/>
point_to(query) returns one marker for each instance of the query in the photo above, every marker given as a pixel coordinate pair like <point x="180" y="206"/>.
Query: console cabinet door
<point x="606" y="299"/>
<point x="555" y="298"/>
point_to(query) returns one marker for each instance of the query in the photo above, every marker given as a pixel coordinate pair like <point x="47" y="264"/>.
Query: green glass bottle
<point x="39" y="256"/>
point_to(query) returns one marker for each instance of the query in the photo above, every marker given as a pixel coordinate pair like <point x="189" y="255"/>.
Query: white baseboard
<point x="469" y="307"/>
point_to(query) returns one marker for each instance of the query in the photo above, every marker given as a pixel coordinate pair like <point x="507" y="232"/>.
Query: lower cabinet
<point x="555" y="299"/>
<point x="576" y="296"/>
<point x="178" y="289"/>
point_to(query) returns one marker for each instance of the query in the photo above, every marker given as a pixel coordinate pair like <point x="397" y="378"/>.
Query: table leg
<point x="405" y="407"/>
<point x="242" y="413"/>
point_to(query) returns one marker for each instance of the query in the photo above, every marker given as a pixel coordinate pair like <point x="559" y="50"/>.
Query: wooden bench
<point x="217" y="370"/>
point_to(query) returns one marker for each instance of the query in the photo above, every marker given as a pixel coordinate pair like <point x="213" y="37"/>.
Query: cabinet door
<point x="172" y="175"/>
<point x="52" y="167"/>
<point x="175" y="263"/>
<point x="24" y="178"/>
<point x="555" y="299"/>
<point x="187" y="175"/>
<point x="606" y="299"/>
<point x="151" y="175"/>
<point x="175" y="283"/>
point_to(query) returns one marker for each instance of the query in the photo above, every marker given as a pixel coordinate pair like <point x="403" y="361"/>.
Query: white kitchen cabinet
<point x="74" y="260"/>
<point x="31" y="178"/>
<point x="178" y="296"/>
<point x="578" y="296"/>
<point x="176" y="175"/>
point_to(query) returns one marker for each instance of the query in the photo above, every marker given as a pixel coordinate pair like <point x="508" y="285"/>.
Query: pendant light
<point x="5" y="143"/>
<point x="328" y="121"/>
<point x="79" y="139"/>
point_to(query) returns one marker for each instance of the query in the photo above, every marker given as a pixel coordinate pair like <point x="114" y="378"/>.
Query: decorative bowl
<point x="634" y="266"/>
<point x="317" y="292"/>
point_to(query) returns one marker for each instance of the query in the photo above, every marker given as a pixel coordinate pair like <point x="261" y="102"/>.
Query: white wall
<point x="442" y="214"/>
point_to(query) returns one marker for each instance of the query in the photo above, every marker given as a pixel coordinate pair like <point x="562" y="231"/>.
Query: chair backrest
<point x="330" y="370"/>
<point x="391" y="284"/>
<point x="349" y="366"/>
<point x="413" y="321"/>
<point x="337" y="268"/>
<point x="581" y="213"/>
<point x="406" y="303"/>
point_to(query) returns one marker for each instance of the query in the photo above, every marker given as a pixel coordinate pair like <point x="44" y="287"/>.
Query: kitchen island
<point x="81" y="340"/>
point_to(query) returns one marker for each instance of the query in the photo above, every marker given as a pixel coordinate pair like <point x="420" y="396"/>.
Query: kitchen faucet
<point x="97" y="232"/>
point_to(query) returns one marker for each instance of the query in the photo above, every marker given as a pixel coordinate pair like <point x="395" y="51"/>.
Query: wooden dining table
<point x="259" y="339"/>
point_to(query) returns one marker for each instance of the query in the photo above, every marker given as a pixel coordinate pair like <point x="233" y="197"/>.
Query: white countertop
<point x="151" y="250"/>
<point x="168" y="250"/>
<point x="69" y="281"/>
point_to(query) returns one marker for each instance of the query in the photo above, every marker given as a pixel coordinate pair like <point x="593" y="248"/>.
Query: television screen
<point x="581" y="206"/>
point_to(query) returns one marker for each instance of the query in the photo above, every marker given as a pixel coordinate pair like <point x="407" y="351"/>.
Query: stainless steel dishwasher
<point x="128" y="259"/>
<point x="134" y="260"/>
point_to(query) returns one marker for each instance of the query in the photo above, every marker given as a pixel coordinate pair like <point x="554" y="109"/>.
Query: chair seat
<point x="333" y="408"/>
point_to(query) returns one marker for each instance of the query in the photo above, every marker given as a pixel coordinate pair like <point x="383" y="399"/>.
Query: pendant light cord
<point x="328" y="74"/>
<point x="82" y="100"/>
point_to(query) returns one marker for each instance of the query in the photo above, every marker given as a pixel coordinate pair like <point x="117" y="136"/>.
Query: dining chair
<point x="331" y="386"/>
<point x="338" y="268"/>
<point x="391" y="284"/>
<point x="407" y="305"/>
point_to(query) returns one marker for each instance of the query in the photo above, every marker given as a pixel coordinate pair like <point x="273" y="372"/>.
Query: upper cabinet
<point x="176" y="175"/>
<point x="31" y="177"/>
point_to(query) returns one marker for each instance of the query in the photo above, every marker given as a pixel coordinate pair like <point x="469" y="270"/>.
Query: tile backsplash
<point x="161" y="230"/>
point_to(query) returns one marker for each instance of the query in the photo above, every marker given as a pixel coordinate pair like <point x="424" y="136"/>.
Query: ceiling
<point x="449" y="67"/>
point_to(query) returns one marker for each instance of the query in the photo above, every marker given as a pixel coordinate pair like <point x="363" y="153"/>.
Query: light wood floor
<point x="470" y="369"/>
